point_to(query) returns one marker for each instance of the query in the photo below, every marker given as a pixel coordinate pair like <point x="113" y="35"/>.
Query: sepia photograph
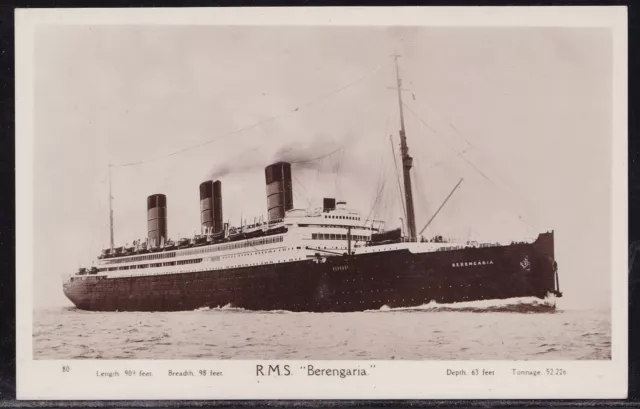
<point x="322" y="192"/>
<point x="407" y="193"/>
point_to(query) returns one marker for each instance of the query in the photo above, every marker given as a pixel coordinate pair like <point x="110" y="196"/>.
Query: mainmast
<point x="407" y="162"/>
<point x="110" y="211"/>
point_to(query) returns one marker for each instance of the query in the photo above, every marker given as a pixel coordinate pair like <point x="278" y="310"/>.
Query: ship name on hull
<point x="472" y="263"/>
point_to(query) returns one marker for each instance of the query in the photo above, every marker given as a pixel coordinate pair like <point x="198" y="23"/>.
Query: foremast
<point x="407" y="162"/>
<point x="110" y="212"/>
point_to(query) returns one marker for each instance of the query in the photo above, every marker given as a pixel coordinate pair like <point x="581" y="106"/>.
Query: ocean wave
<point x="518" y="305"/>
<point x="238" y="334"/>
<point x="229" y="308"/>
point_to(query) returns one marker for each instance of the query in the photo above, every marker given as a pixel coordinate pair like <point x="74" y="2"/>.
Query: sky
<point x="522" y="115"/>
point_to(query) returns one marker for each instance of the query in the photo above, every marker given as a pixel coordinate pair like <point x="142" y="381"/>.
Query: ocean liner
<point x="326" y="259"/>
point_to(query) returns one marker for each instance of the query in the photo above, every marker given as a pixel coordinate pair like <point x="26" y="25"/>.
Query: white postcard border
<point x="44" y="379"/>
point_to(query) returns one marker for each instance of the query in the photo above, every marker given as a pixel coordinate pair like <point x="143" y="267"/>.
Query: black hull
<point x="344" y="283"/>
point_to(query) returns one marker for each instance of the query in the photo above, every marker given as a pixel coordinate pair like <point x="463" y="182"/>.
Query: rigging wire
<point x="299" y="196"/>
<point x="448" y="159"/>
<point x="306" y="196"/>
<point x="468" y="161"/>
<point x="381" y="184"/>
<point x="446" y="119"/>
<point x="434" y="132"/>
<point x="381" y="177"/>
<point x="256" y="124"/>
<point x="319" y="167"/>
<point x="417" y="171"/>
<point x="337" y="174"/>
<point x="404" y="211"/>
<point x="319" y="157"/>
<point x="334" y="170"/>
<point x="483" y="174"/>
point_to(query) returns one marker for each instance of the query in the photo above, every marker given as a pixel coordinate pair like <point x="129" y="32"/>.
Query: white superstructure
<point x="307" y="232"/>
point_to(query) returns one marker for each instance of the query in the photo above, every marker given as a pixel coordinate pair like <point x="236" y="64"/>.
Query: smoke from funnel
<point x="301" y="154"/>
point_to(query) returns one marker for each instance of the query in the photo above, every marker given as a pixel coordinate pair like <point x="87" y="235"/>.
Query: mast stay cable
<point x="468" y="161"/>
<point x="395" y="162"/>
<point x="381" y="177"/>
<point x="442" y="115"/>
<point x="297" y="108"/>
<point x="380" y="188"/>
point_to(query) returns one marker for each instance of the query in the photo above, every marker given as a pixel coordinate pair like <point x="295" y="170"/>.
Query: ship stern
<point x="76" y="291"/>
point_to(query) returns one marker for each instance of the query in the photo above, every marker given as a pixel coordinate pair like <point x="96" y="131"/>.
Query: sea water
<point x="522" y="329"/>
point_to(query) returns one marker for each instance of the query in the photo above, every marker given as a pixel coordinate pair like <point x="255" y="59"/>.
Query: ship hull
<point x="395" y="278"/>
